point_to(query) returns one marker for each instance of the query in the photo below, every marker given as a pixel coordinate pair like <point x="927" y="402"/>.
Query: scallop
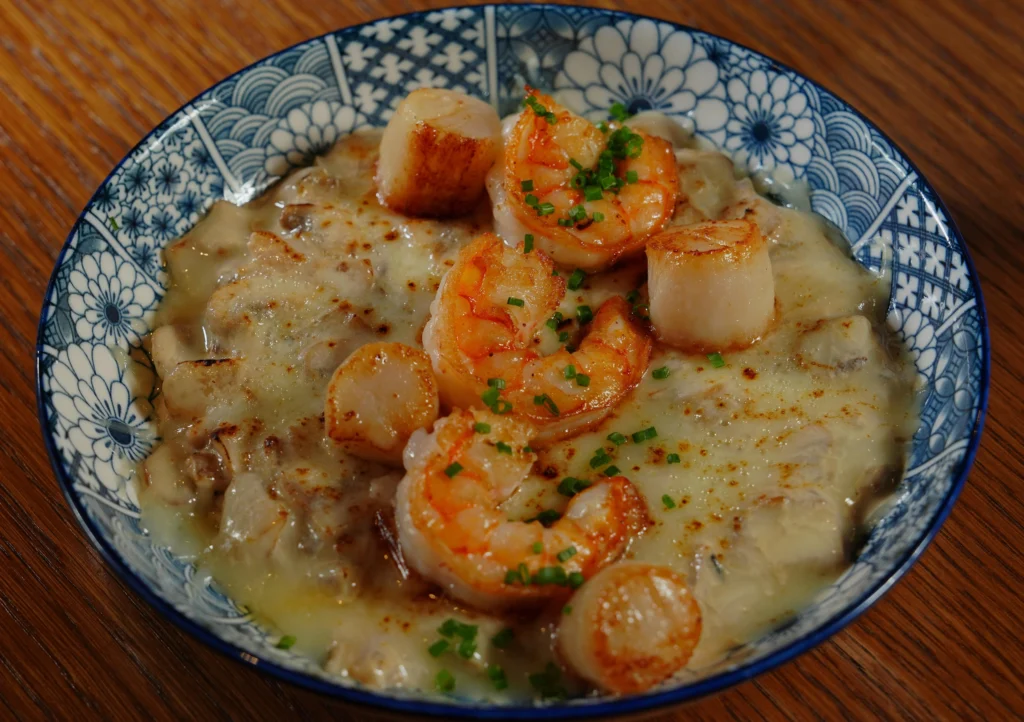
<point x="710" y="285"/>
<point x="380" y="395"/>
<point x="435" y="153"/>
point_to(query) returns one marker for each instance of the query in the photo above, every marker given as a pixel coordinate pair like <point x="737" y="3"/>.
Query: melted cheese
<point x="758" y="479"/>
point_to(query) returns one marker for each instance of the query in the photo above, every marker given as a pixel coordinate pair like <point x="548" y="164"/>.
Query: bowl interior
<point x="96" y="381"/>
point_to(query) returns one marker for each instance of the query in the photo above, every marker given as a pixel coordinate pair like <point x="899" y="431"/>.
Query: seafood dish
<point x="514" y="409"/>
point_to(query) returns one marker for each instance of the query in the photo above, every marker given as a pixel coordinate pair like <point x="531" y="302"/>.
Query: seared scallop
<point x="435" y="153"/>
<point x="710" y="285"/>
<point x="630" y="627"/>
<point x="380" y="395"/>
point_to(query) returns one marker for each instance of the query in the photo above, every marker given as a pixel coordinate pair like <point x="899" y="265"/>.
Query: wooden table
<point x="81" y="82"/>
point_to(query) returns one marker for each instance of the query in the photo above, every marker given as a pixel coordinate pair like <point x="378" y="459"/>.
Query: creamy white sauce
<point x="770" y="464"/>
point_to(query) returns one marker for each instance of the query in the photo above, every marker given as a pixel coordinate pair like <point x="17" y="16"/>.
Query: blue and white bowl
<point x="95" y="389"/>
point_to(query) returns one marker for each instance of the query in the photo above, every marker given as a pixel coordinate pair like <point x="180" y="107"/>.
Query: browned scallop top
<point x="725" y="241"/>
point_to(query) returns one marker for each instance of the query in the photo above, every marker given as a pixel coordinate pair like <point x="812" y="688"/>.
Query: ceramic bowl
<point x="95" y="380"/>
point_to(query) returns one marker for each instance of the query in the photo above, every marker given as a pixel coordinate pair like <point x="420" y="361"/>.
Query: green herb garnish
<point x="444" y="681"/>
<point x="453" y="469"/>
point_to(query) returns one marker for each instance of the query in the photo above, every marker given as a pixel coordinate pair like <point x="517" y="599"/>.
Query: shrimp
<point x="631" y="627"/>
<point x="711" y="286"/>
<point x="380" y="395"/>
<point x="435" y="153"/>
<point x="589" y="197"/>
<point x="483" y="328"/>
<point x="452" y="529"/>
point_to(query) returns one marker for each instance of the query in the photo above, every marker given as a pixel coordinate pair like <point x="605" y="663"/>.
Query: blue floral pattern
<point x="108" y="303"/>
<point x="645" y="66"/>
<point x="770" y="125"/>
<point x="96" y="381"/>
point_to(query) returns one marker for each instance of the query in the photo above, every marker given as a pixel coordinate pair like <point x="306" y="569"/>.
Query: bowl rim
<point x="603" y="708"/>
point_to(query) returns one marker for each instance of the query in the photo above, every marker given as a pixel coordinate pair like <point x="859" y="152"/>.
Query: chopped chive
<point x="582" y="380"/>
<point x="497" y="676"/>
<point x="496" y="383"/>
<point x="512" y="576"/>
<point x="569" y="372"/>
<point x="571" y="486"/>
<point x="448" y="627"/>
<point x="550" y="575"/>
<point x="611" y="471"/>
<point x="548" y="682"/>
<point x="481" y="428"/>
<point x="576" y="279"/>
<point x="584" y="315"/>
<point x="503" y="448"/>
<point x="600" y="459"/>
<point x="575" y="164"/>
<point x="667" y="501"/>
<point x="567" y="609"/>
<point x="286" y="642"/>
<point x="537" y="547"/>
<point x="644" y="434"/>
<point x="576" y="580"/>
<point x="501" y="407"/>
<point x="527" y="449"/>
<point x="616" y="438"/>
<point x="602" y="126"/>
<point x="566" y="554"/>
<point x="503" y="638"/>
<point x="593" y="193"/>
<point x="528" y="243"/>
<point x="444" y="681"/>
<point x="672" y="459"/>
<point x="545" y="209"/>
<point x="619" y="112"/>
<point x="536" y="106"/>
<point x="490" y="396"/>
<point x="526" y="185"/>
<point x="661" y="373"/>
<point x="563" y="336"/>
<point x="633" y="296"/>
<point x="513" y="301"/>
<point x="453" y="469"/>
<point x="466" y="648"/>
<point x="546" y="401"/>
<point x="546" y="518"/>
<point x="632" y="176"/>
<point x="438" y="648"/>
<point x="716" y="360"/>
<point x="565" y="222"/>
<point x="553" y="322"/>
<point x="598" y="217"/>
<point x="531" y="200"/>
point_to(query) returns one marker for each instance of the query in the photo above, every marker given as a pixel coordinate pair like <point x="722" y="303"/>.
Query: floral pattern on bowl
<point x="96" y="381"/>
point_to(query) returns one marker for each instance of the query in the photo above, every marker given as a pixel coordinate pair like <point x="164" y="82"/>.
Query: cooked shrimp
<point x="435" y="153"/>
<point x="380" y="395"/>
<point x="632" y="626"/>
<point x="710" y="285"/>
<point x="452" y="528"/>
<point x="551" y="178"/>
<point x="484" y="321"/>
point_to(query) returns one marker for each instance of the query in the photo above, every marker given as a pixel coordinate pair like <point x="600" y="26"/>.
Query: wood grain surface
<point x="81" y="81"/>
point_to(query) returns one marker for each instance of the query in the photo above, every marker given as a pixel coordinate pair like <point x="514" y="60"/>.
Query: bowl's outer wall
<point x="238" y="137"/>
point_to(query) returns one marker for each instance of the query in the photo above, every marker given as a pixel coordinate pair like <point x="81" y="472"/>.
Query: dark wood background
<point x="81" y="82"/>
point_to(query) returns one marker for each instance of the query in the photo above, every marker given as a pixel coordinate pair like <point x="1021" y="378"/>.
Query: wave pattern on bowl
<point x="96" y="379"/>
